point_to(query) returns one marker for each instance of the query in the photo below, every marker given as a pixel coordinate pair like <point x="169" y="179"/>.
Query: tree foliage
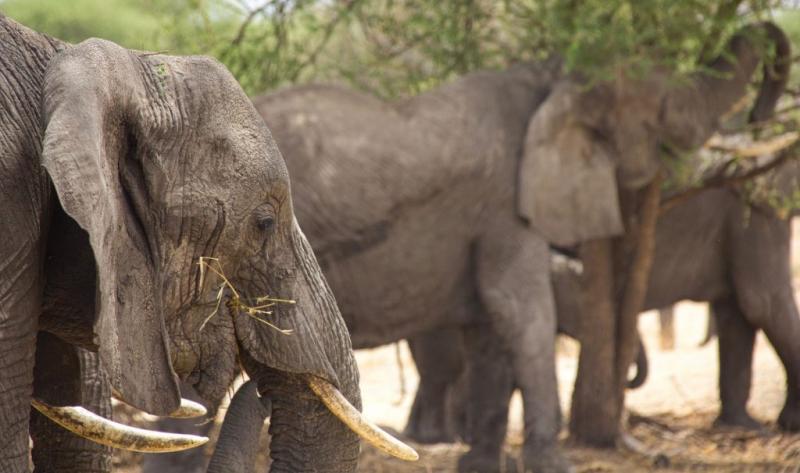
<point x="136" y="25"/>
<point x="401" y="47"/>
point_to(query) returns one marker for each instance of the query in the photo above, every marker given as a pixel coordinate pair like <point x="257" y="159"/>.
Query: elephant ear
<point x="567" y="187"/>
<point x="94" y="94"/>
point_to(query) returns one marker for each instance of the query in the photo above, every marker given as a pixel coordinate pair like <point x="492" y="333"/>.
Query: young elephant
<point x="409" y="207"/>
<point x="119" y="170"/>
<point x="710" y="248"/>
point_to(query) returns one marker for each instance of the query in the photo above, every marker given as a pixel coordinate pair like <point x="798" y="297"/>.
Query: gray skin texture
<point x="712" y="248"/>
<point x="118" y="170"/>
<point x="443" y="401"/>
<point x="238" y="438"/>
<point x="410" y="209"/>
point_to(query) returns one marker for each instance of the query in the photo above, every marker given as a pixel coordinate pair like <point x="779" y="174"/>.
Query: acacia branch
<point x="637" y="280"/>
<point x="759" y="148"/>
<point x="725" y="10"/>
<point x="719" y="180"/>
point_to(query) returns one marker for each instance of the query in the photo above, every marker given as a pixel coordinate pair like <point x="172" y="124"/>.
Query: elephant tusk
<point x="89" y="425"/>
<point x="341" y="408"/>
<point x="188" y="410"/>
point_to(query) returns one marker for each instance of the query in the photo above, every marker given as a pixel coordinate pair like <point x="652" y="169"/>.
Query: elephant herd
<point x="152" y="240"/>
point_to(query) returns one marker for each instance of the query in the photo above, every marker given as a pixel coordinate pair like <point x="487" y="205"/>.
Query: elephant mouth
<point x="91" y="426"/>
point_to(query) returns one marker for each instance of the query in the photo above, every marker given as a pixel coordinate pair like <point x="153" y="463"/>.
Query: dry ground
<point x="671" y="414"/>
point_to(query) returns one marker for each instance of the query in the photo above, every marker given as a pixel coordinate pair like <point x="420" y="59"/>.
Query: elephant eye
<point x="265" y="223"/>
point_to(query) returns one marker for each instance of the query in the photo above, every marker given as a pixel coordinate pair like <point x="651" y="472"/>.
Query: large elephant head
<point x="584" y="141"/>
<point x="185" y="200"/>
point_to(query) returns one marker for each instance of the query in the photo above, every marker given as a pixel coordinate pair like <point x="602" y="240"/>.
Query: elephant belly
<point x="690" y="258"/>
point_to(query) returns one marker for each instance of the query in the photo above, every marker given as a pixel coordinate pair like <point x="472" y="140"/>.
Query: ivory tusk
<point x="89" y="425"/>
<point x="188" y="410"/>
<point x="341" y="408"/>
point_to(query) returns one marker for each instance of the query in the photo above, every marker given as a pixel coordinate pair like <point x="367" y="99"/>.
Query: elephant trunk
<point x="312" y="340"/>
<point x="776" y="75"/>
<point x="306" y="436"/>
<point x="724" y="84"/>
<point x="238" y="439"/>
<point x="301" y="357"/>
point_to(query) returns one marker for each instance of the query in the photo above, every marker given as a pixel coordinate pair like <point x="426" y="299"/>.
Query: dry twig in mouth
<point x="235" y="302"/>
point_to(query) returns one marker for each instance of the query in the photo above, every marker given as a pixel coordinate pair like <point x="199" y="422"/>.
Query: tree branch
<point x="637" y="280"/>
<point x="246" y="23"/>
<point x="326" y="36"/>
<point x="725" y="10"/>
<point x="719" y="180"/>
<point x="759" y="148"/>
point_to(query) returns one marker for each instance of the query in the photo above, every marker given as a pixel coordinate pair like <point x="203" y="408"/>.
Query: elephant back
<point x="355" y="161"/>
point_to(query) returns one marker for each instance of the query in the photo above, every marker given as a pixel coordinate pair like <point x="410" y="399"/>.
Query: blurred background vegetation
<point x="401" y="47"/>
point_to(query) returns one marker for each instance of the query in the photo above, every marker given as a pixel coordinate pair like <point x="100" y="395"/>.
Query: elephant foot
<point x="740" y="420"/>
<point x="476" y="461"/>
<point x="546" y="460"/>
<point x="427" y="429"/>
<point x="427" y="434"/>
<point x="789" y="419"/>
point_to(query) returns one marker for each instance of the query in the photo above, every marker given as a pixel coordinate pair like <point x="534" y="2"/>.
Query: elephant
<point x="441" y="406"/>
<point x="409" y="207"/>
<point x="713" y="248"/>
<point x="147" y="217"/>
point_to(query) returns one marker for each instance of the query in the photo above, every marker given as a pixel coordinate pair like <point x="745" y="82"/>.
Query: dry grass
<point x="258" y="311"/>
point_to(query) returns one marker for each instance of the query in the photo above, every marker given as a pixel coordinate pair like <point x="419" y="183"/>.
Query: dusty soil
<point x="671" y="415"/>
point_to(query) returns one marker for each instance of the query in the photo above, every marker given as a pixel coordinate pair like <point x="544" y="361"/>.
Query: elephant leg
<point x="54" y="448"/>
<point x="666" y="318"/>
<point x="763" y="281"/>
<point x="437" y="355"/>
<point x="784" y="335"/>
<point x="711" y="329"/>
<point x="514" y="286"/>
<point x="20" y="302"/>
<point x="484" y="399"/>
<point x="736" y="339"/>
